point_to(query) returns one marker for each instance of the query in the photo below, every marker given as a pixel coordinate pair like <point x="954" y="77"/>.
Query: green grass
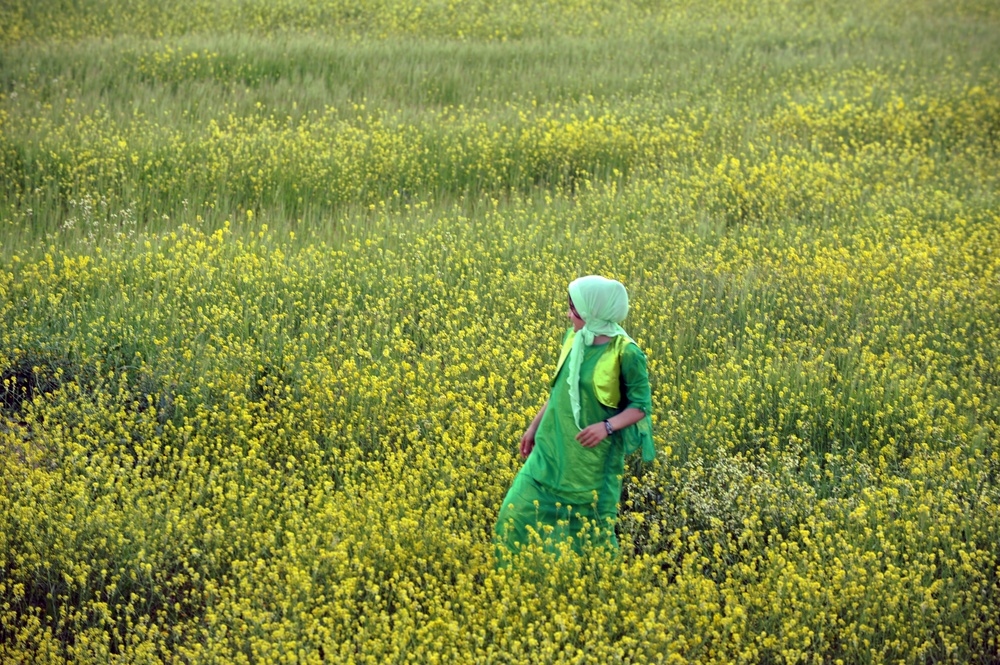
<point x="712" y="74"/>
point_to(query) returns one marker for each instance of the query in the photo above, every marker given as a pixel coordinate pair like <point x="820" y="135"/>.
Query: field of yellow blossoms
<point x="282" y="283"/>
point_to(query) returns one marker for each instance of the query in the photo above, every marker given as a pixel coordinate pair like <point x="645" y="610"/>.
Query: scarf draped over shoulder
<point x="602" y="304"/>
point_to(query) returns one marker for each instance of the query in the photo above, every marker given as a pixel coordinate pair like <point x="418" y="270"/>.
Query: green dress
<point x="565" y="491"/>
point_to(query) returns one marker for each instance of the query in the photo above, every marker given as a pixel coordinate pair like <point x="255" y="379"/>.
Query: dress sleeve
<point x="637" y="396"/>
<point x="636" y="380"/>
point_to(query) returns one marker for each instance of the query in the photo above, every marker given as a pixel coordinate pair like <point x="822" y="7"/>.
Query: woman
<point x="597" y="413"/>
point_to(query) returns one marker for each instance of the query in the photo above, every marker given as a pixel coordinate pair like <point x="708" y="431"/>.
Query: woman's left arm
<point x="592" y="435"/>
<point x="638" y="397"/>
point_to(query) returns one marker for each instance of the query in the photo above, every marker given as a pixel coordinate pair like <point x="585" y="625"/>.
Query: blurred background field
<point x="282" y="284"/>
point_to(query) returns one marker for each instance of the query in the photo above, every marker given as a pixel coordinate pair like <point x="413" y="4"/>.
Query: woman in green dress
<point x="597" y="413"/>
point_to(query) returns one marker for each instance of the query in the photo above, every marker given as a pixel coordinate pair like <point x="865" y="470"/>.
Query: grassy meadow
<point x="282" y="284"/>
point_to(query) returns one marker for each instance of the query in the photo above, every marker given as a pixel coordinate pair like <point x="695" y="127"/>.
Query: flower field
<point x="283" y="282"/>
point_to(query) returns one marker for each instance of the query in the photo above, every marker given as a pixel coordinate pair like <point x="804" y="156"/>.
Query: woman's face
<point x="574" y="317"/>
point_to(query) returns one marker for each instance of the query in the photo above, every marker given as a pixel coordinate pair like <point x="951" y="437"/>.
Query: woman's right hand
<point x="528" y="442"/>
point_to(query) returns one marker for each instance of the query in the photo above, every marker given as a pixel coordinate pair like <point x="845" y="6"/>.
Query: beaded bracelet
<point x="607" y="426"/>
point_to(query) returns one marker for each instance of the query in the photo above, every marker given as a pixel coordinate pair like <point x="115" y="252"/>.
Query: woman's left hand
<point x="592" y="435"/>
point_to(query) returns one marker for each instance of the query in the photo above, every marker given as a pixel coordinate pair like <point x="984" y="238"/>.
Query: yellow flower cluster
<point x="276" y="450"/>
<point x="463" y="19"/>
<point x="326" y="159"/>
<point x="270" y="331"/>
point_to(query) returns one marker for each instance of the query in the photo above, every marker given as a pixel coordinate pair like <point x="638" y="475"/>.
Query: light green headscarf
<point x="602" y="304"/>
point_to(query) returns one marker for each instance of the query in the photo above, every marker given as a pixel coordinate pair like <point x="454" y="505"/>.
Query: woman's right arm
<point x="528" y="438"/>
